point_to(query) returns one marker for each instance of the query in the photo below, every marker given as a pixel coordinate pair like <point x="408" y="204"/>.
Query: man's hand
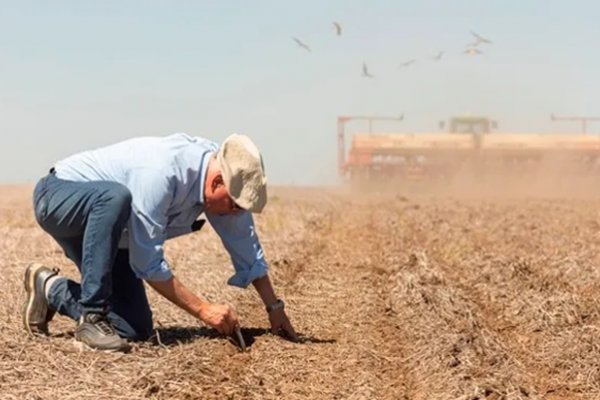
<point x="281" y="325"/>
<point x="221" y="317"/>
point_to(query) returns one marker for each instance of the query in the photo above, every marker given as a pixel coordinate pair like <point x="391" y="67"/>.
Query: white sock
<point x="49" y="284"/>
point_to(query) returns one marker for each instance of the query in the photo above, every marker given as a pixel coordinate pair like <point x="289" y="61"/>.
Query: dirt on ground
<point x="396" y="295"/>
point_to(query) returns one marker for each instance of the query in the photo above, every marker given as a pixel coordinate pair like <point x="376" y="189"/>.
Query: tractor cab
<point x="470" y="125"/>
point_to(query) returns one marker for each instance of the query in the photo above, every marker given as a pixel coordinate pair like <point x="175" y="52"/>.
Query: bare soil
<point x="397" y="295"/>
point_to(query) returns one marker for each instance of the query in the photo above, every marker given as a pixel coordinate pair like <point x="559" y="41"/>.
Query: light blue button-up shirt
<point x="165" y="176"/>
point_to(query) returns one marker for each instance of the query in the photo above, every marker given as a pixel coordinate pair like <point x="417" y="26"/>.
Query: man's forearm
<point x="174" y="291"/>
<point x="219" y="316"/>
<point x="265" y="290"/>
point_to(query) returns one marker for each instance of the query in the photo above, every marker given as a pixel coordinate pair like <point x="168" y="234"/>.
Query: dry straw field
<point x="409" y="295"/>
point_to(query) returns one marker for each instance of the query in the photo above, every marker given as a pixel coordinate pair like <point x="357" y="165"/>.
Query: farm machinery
<point x="466" y="144"/>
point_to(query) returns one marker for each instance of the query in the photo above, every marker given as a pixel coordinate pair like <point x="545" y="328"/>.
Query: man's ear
<point x="217" y="181"/>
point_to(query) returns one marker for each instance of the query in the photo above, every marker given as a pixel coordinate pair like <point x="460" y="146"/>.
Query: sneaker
<point x="96" y="331"/>
<point x="36" y="313"/>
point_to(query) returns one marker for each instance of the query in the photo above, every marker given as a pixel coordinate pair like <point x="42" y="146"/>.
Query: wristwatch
<point x="278" y="305"/>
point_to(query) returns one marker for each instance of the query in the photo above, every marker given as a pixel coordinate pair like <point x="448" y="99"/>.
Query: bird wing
<point x="338" y="28"/>
<point x="301" y="43"/>
<point x="480" y="38"/>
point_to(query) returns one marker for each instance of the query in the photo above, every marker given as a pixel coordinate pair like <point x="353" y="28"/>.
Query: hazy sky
<point x="75" y="75"/>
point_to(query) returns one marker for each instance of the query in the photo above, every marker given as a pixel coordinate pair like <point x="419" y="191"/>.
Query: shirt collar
<point x="203" y="169"/>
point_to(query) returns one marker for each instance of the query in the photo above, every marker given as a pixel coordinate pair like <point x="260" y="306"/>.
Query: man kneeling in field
<point x="112" y="209"/>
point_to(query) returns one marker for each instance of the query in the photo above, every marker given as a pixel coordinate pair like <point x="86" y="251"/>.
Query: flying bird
<point x="438" y="57"/>
<point x="338" y="28"/>
<point x="480" y="39"/>
<point x="407" y="63"/>
<point x="472" y="51"/>
<point x="301" y="44"/>
<point x="365" y="71"/>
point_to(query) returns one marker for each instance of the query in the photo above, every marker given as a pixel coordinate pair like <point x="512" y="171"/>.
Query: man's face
<point x="218" y="201"/>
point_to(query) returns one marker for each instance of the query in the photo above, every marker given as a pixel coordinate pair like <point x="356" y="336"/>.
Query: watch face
<point x="275" y="306"/>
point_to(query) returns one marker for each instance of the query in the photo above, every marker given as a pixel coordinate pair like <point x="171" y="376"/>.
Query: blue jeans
<point x="87" y="220"/>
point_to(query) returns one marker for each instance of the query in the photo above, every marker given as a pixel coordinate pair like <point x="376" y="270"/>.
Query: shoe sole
<point x="83" y="346"/>
<point x="29" y="282"/>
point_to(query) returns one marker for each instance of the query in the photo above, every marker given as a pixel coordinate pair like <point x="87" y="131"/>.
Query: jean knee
<point x="145" y="331"/>
<point x="120" y="198"/>
<point x="140" y="330"/>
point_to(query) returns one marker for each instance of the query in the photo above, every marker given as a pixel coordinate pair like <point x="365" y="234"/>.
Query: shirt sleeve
<point x="152" y="195"/>
<point x="239" y="238"/>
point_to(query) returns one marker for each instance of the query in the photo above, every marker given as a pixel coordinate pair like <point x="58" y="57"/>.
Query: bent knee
<point x="144" y="332"/>
<point x="120" y="195"/>
<point x="137" y="332"/>
<point x="117" y="197"/>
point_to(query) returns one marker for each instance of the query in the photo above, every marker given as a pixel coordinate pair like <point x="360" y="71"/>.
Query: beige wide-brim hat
<point x="243" y="172"/>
